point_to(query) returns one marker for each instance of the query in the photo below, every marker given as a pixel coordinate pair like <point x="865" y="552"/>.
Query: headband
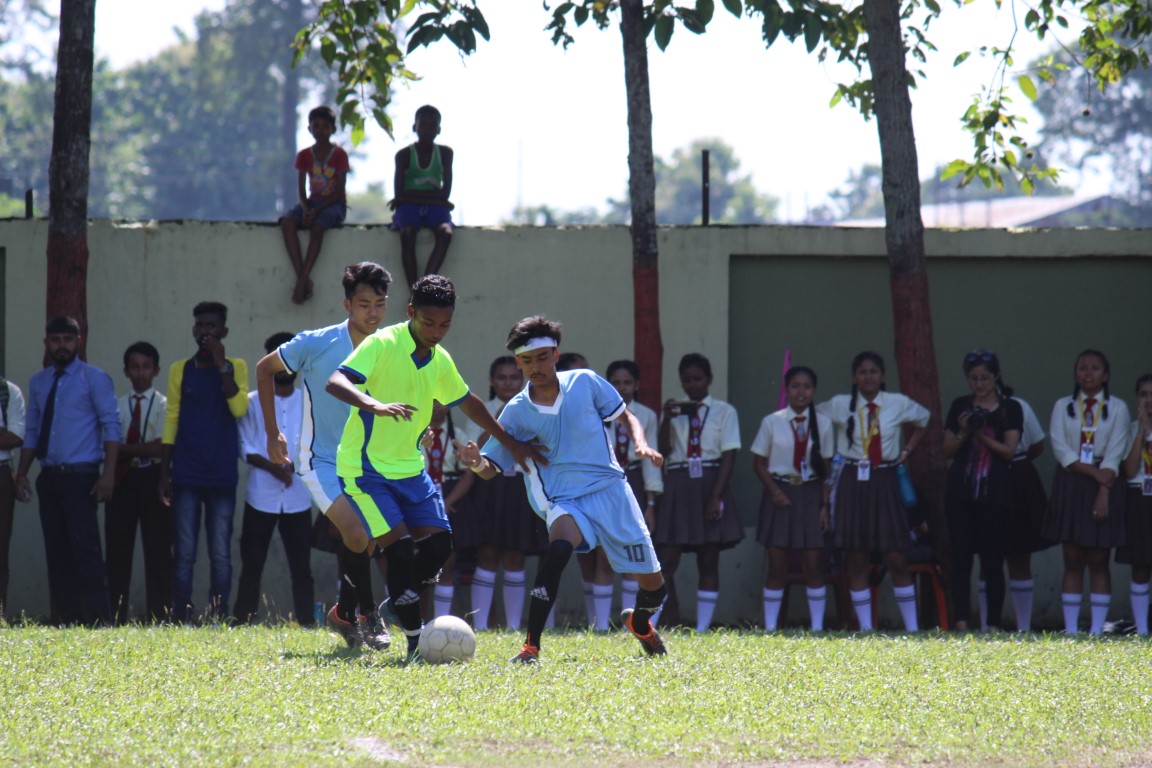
<point x="536" y="343"/>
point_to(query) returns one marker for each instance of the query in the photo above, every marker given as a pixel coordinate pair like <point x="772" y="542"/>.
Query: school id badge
<point x="863" y="471"/>
<point x="695" y="467"/>
<point x="1146" y="487"/>
<point x="805" y="470"/>
<point x="1088" y="446"/>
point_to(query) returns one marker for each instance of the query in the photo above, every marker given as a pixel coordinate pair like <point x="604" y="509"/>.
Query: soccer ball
<point x="447" y="639"/>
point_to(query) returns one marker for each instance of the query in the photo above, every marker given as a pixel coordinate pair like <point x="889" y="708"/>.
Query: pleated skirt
<point x="1069" y="519"/>
<point x="869" y="516"/>
<point x="1029" y="505"/>
<point x="1137" y="549"/>
<point x="794" y="527"/>
<point x="680" y="513"/>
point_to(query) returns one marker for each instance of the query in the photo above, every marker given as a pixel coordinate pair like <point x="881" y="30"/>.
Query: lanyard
<point x="868" y="434"/>
<point x="1087" y="431"/>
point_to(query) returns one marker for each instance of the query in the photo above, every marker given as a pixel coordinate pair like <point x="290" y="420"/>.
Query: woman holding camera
<point x="981" y="433"/>
<point x="696" y="513"/>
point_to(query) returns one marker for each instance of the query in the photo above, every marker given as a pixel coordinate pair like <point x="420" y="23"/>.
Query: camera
<point x="977" y="417"/>
<point x="686" y="408"/>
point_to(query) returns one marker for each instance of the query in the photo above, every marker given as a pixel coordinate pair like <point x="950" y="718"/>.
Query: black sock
<point x="648" y="601"/>
<point x="543" y="592"/>
<point x="355" y="584"/>
<point x="431" y="554"/>
<point x="405" y="599"/>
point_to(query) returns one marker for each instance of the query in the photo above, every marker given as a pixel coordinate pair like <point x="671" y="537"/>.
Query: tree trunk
<point x="289" y="101"/>
<point x="642" y="192"/>
<point x="907" y="263"/>
<point x="68" y="168"/>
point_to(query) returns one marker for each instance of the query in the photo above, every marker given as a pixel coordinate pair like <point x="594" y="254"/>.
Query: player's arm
<point x="639" y="439"/>
<point x="266" y="370"/>
<point x="470" y="456"/>
<point x="474" y="408"/>
<point x="341" y="387"/>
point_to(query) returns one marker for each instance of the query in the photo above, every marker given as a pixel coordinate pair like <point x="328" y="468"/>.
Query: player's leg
<point x="564" y="537"/>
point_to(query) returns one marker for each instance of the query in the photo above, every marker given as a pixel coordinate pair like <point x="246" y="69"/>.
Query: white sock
<point x="602" y="597"/>
<point x="628" y="590"/>
<point x="1099" y="606"/>
<point x="483" y="588"/>
<point x="442" y="599"/>
<point x="862" y="604"/>
<point x="817" y="601"/>
<point x="906" y="602"/>
<point x="982" y="599"/>
<point x="1022" y="590"/>
<point x="1139" y="597"/>
<point x="589" y="602"/>
<point x="705" y="607"/>
<point x="773" y="598"/>
<point x="515" y="588"/>
<point x="1071" y="603"/>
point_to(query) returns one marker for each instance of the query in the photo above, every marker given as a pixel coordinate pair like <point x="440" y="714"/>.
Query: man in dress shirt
<point x="72" y="428"/>
<point x="135" y="499"/>
<point x="11" y="437"/>
<point x="275" y="497"/>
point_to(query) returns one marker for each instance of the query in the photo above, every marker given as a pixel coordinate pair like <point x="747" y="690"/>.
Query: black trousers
<point x="255" y="538"/>
<point x="77" y="580"/>
<point x="137" y="500"/>
<point x="7" y="512"/>
<point x="977" y="528"/>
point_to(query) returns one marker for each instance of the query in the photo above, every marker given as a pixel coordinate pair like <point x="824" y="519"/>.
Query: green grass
<point x="282" y="696"/>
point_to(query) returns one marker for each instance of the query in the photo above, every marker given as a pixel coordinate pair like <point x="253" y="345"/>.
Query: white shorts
<point x="611" y="519"/>
<point x="324" y="485"/>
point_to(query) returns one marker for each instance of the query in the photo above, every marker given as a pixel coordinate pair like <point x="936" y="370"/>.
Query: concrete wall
<point x="741" y="295"/>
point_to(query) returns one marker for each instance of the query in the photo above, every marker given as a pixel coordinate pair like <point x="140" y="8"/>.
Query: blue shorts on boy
<point x="611" y="519"/>
<point x="383" y="504"/>
<point x="420" y="216"/>
<point x="329" y="218"/>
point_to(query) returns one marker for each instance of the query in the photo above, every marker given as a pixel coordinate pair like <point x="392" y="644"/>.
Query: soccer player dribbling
<point x="582" y="490"/>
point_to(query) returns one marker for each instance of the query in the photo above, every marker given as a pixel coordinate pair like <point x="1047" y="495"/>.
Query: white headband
<point x="536" y="343"/>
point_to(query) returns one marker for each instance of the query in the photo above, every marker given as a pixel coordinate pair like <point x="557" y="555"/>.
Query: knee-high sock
<point x="773" y="599"/>
<point x="355" y="583"/>
<point x="401" y="584"/>
<point x="589" y="601"/>
<point x="982" y="599"/>
<point x="547" y="584"/>
<point x="1071" y="603"/>
<point x="862" y="604"/>
<point x="602" y="597"/>
<point x="442" y="599"/>
<point x="817" y="603"/>
<point x="648" y="602"/>
<point x="1139" y="596"/>
<point x="483" y="588"/>
<point x="1100" y="605"/>
<point x="1022" y="590"/>
<point x="514" y="588"/>
<point x="705" y="608"/>
<point x="431" y="554"/>
<point x="628" y="590"/>
<point x="906" y="602"/>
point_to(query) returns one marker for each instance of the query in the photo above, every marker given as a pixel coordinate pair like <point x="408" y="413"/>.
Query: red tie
<point x="875" y="449"/>
<point x="134" y="425"/>
<point x="622" y="441"/>
<point x="799" y="444"/>
<point x="436" y="457"/>
<point x="695" y="427"/>
<point x="1087" y="437"/>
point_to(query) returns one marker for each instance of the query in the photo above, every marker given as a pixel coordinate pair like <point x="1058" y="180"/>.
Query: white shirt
<point x="1033" y="432"/>
<point x="893" y="411"/>
<point x="153" y="406"/>
<point x="265" y="491"/>
<point x="14" y="423"/>
<point x="1137" y="435"/>
<point x="1112" y="439"/>
<point x="719" y="432"/>
<point x="776" y="441"/>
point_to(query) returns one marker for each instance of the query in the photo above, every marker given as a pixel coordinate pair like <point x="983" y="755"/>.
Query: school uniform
<point x="680" y="514"/>
<point x="1085" y="435"/>
<point x="505" y="518"/>
<point x="643" y="476"/>
<point x="784" y="440"/>
<point x="136" y="499"/>
<point x="1137" y="548"/>
<point x="1029" y="499"/>
<point x="444" y="467"/>
<point x="869" y="514"/>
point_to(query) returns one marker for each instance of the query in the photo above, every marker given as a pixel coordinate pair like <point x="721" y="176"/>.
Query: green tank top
<point x="423" y="179"/>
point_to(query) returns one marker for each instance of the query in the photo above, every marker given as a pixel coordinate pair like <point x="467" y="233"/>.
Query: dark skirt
<point x="1137" y="549"/>
<point x="794" y="527"/>
<point x="464" y="522"/>
<point x="870" y="516"/>
<point x="506" y="519"/>
<point x="680" y="513"/>
<point x="1029" y="504"/>
<point x="1069" y="519"/>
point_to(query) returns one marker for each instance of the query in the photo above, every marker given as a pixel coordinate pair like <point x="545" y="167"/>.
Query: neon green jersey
<point x="384" y="367"/>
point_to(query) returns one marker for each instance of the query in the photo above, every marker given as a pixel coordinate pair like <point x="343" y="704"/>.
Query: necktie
<point x="695" y="427"/>
<point x="875" y="450"/>
<point x="622" y="440"/>
<point x="49" y="412"/>
<point x="1088" y="435"/>
<point x="134" y="425"/>
<point x="800" y="443"/>
<point x="436" y="457"/>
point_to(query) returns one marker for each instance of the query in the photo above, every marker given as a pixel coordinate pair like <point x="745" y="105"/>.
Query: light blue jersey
<point x="316" y="355"/>
<point x="581" y="458"/>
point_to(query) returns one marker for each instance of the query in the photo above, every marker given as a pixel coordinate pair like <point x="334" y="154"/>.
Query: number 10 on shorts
<point x="635" y="552"/>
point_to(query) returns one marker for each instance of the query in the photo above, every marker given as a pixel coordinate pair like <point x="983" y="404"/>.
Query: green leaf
<point x="961" y="58"/>
<point x="358" y="131"/>
<point x="581" y="15"/>
<point x="953" y="168"/>
<point x="813" y="31"/>
<point x="665" y="26"/>
<point x="734" y="7"/>
<point x="705" y="9"/>
<point x="1027" y="86"/>
<point x="328" y="50"/>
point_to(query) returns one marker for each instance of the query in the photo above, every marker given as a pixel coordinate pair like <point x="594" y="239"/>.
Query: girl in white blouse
<point x="1137" y="550"/>
<point x="1089" y="433"/>
<point x="869" y="515"/>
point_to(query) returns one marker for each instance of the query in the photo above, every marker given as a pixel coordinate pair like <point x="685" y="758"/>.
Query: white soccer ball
<point x="447" y="639"/>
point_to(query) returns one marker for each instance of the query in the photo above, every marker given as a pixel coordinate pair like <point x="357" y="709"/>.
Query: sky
<point x="533" y="124"/>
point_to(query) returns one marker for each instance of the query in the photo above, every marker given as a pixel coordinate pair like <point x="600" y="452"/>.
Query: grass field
<point x="283" y="696"/>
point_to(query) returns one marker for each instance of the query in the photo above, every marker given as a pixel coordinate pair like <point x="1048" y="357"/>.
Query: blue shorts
<point x="329" y="218"/>
<point x="420" y="216"/>
<point x="611" y="519"/>
<point x="383" y="504"/>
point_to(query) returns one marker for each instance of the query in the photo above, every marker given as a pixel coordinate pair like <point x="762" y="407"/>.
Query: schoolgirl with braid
<point x="1089" y="433"/>
<point x="869" y="515"/>
<point x="790" y="457"/>
<point x="1137" y="549"/>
